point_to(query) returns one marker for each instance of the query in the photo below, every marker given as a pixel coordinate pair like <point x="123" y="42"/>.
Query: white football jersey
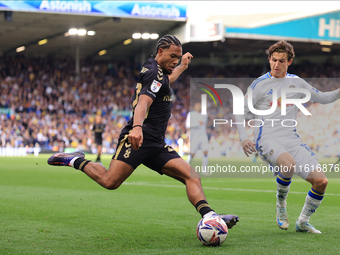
<point x="197" y="124"/>
<point x="276" y="125"/>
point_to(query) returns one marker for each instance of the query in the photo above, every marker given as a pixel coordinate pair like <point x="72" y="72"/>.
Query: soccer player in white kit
<point x="198" y="135"/>
<point x="278" y="144"/>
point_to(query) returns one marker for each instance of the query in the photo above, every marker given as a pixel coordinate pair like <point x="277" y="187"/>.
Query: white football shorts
<point x="198" y="142"/>
<point x="270" y="149"/>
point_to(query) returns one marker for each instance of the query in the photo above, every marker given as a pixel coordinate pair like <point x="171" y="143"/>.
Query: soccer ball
<point x="212" y="231"/>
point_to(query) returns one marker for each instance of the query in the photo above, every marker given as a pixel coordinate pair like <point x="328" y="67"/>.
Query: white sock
<point x="73" y="160"/>
<point x="281" y="195"/>
<point x="205" y="161"/>
<point x="209" y="214"/>
<point x="311" y="204"/>
<point x="189" y="159"/>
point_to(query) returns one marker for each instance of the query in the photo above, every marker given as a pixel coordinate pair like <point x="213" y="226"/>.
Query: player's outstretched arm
<point x="136" y="135"/>
<point x="186" y="60"/>
<point x="322" y="97"/>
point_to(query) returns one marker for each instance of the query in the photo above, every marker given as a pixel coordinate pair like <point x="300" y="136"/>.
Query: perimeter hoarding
<point x="136" y="9"/>
<point x="316" y="28"/>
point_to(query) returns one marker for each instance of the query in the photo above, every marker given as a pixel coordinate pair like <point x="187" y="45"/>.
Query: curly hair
<point x="282" y="46"/>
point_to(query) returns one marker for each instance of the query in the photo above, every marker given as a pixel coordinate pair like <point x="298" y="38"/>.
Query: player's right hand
<point x="135" y="138"/>
<point x="248" y="147"/>
<point x="186" y="59"/>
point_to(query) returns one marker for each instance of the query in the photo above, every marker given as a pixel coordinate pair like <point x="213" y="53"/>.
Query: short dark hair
<point x="165" y="42"/>
<point x="282" y="46"/>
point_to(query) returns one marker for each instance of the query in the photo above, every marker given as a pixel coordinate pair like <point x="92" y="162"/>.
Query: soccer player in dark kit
<point x="98" y="129"/>
<point x="142" y="139"/>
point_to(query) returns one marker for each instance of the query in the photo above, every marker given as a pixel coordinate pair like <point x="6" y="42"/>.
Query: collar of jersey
<point x="274" y="77"/>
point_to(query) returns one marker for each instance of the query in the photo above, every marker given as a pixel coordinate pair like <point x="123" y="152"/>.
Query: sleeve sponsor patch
<point x="155" y="86"/>
<point x="151" y="93"/>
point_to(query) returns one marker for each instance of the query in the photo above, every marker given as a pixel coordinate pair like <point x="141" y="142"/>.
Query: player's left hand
<point x="186" y="59"/>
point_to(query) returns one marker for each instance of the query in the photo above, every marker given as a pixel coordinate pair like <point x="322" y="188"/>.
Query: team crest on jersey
<point x="271" y="152"/>
<point x="155" y="86"/>
<point x="292" y="87"/>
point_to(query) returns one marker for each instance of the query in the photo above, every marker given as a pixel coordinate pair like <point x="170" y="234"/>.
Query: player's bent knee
<point x="286" y="160"/>
<point x="323" y="183"/>
<point x="195" y="181"/>
<point x="320" y="184"/>
<point x="193" y="178"/>
<point x="194" y="175"/>
<point x="289" y="163"/>
<point x="111" y="185"/>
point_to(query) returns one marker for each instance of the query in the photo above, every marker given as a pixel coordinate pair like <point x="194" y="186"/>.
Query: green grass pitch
<point x="59" y="210"/>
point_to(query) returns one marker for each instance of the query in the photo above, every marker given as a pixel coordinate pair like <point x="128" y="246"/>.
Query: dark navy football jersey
<point x="98" y="130"/>
<point x="153" y="83"/>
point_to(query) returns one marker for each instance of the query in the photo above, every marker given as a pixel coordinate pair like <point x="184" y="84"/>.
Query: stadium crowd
<point x="43" y="104"/>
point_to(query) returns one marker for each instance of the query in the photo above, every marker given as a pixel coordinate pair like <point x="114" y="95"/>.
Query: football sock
<point x="205" y="161"/>
<point x="203" y="207"/>
<point x="313" y="201"/>
<point x="80" y="163"/>
<point x="282" y="185"/>
<point x="209" y="214"/>
<point x="189" y="158"/>
<point x="72" y="161"/>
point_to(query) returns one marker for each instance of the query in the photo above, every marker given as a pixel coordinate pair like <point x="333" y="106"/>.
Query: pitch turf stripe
<point x="216" y="188"/>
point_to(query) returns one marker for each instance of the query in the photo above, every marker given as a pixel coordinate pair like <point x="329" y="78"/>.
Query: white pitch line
<point x="216" y="188"/>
